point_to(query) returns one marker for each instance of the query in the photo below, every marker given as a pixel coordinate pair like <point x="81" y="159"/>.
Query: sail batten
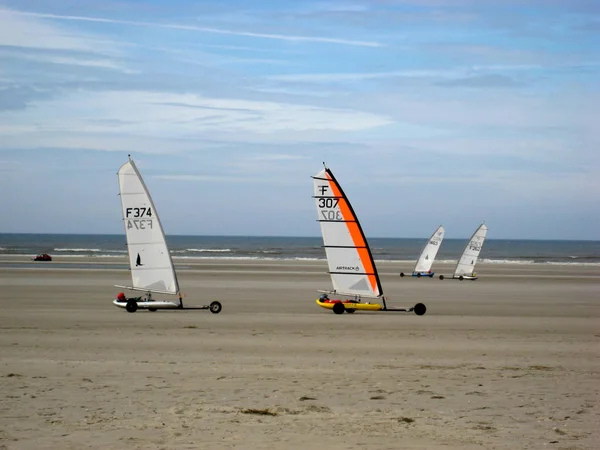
<point x="351" y="265"/>
<point x="466" y="263"/>
<point x="149" y="257"/>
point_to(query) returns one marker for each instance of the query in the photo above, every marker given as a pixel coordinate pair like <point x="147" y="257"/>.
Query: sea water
<point x="495" y="251"/>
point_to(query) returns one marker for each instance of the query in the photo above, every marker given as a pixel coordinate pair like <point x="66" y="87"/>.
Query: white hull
<point x="151" y="304"/>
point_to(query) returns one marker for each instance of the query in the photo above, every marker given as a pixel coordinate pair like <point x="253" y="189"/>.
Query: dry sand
<point x="510" y="361"/>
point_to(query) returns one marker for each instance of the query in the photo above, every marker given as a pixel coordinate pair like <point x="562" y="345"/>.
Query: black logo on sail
<point x="138" y="261"/>
<point x="350" y="268"/>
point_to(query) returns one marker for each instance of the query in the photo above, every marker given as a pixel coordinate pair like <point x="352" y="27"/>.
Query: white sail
<point x="466" y="263"/>
<point x="351" y="264"/>
<point x="149" y="258"/>
<point x="430" y="251"/>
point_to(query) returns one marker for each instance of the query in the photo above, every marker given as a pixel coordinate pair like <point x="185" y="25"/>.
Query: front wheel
<point x="339" y="308"/>
<point x="419" y="275"/>
<point x="402" y="274"/>
<point x="461" y="278"/>
<point x="152" y="309"/>
<point x="215" y="307"/>
<point x="441" y="277"/>
<point x="420" y="309"/>
<point x="131" y="306"/>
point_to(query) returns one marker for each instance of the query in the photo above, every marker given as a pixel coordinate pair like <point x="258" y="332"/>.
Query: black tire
<point x="339" y="308"/>
<point x="350" y="311"/>
<point x="152" y="309"/>
<point x="215" y="307"/>
<point x="402" y="274"/>
<point x="431" y="276"/>
<point x="131" y="306"/>
<point x="461" y="278"/>
<point x="420" y="309"/>
<point x="419" y="275"/>
<point x="441" y="277"/>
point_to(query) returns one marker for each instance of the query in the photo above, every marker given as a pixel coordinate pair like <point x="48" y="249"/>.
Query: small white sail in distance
<point x="349" y="257"/>
<point x="466" y="263"/>
<point x="149" y="258"/>
<point x="430" y="251"/>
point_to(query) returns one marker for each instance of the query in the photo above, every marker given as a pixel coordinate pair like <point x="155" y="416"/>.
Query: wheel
<point x="420" y="309"/>
<point x="131" y="306"/>
<point x="419" y="275"/>
<point x="215" y="307"/>
<point x="339" y="308"/>
<point x="431" y="276"/>
<point x="461" y="278"/>
<point x="402" y="274"/>
<point x="350" y="311"/>
<point x="152" y="309"/>
<point x="441" y="277"/>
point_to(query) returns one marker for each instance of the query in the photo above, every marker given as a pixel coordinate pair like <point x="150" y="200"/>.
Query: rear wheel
<point x="461" y="278"/>
<point x="420" y="309"/>
<point x="431" y="276"/>
<point x="419" y="275"/>
<point x="152" y="309"/>
<point x="131" y="306"/>
<point x="402" y="274"/>
<point x="215" y="307"/>
<point x="339" y="308"/>
<point x="350" y="311"/>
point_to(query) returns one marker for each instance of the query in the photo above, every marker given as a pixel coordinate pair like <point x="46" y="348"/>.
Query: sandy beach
<point x="510" y="361"/>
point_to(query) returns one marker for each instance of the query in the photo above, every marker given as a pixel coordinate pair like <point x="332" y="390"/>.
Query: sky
<point x="427" y="112"/>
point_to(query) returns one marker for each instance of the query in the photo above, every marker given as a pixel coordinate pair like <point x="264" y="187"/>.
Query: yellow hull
<point x="356" y="306"/>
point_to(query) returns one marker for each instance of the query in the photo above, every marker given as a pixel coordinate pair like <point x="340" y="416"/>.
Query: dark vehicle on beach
<point x="43" y="257"/>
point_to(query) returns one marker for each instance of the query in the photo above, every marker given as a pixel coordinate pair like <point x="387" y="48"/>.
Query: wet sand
<point x="508" y="361"/>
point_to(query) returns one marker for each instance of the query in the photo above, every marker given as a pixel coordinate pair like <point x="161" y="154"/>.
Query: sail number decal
<point x="476" y="246"/>
<point x="328" y="206"/>
<point x="139" y="224"/>
<point x="327" y="210"/>
<point x="328" y="202"/>
<point x="138" y="212"/>
<point x="433" y="242"/>
<point x="136" y="218"/>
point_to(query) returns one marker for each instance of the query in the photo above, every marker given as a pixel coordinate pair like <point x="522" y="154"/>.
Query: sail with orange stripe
<point x="351" y="263"/>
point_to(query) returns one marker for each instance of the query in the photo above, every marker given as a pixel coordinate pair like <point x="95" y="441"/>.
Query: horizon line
<point x="289" y="236"/>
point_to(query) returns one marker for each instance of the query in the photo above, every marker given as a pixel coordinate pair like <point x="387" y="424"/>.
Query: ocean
<point x="495" y="251"/>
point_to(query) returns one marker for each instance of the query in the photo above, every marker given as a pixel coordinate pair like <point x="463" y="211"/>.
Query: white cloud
<point x="211" y="178"/>
<point x="101" y="63"/>
<point x="336" y="77"/>
<point x="20" y="30"/>
<point x="278" y="157"/>
<point x="281" y="37"/>
<point x="65" y="121"/>
<point x="232" y="179"/>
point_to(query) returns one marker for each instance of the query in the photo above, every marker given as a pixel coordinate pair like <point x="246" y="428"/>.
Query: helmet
<point x="323" y="297"/>
<point x="121" y="297"/>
